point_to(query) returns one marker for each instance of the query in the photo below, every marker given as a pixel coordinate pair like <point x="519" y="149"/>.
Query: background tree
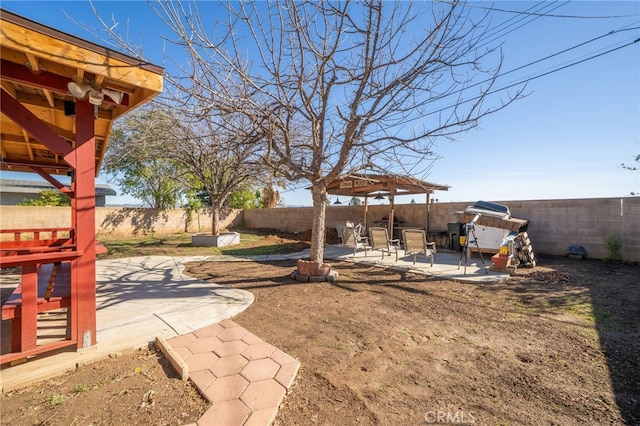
<point x="218" y="156"/>
<point x="136" y="158"/>
<point x="246" y="198"/>
<point x="48" y="197"/>
<point x="270" y="196"/>
<point x="162" y="153"/>
<point x="338" y="87"/>
<point x="631" y="167"/>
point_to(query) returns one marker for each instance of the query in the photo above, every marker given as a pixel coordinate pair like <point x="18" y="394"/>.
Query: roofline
<point x="5" y="15"/>
<point x="26" y="186"/>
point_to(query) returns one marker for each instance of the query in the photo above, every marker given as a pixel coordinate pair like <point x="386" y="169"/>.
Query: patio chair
<point x="354" y="236"/>
<point x="380" y="241"/>
<point x="415" y="243"/>
<point x="345" y="232"/>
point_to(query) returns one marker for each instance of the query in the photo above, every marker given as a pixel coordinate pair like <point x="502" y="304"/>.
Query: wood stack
<point x="523" y="250"/>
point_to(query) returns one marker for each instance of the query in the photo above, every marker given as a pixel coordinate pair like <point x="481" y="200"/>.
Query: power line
<point x="612" y="32"/>
<point x="528" y="79"/>
<point x="545" y="14"/>
<point x="528" y="17"/>
<point x="560" y="52"/>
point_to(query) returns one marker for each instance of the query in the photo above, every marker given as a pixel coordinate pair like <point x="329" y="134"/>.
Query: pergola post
<point x="83" y="279"/>
<point x="428" y="218"/>
<point x="391" y="212"/>
<point x="366" y="212"/>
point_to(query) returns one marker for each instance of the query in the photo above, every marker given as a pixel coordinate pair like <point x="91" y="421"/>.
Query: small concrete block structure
<point x="223" y="240"/>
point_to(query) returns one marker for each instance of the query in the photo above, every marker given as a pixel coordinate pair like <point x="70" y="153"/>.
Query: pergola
<point x="370" y="185"/>
<point x="60" y="96"/>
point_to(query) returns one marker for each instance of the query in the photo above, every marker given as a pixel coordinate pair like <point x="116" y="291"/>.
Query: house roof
<point x="21" y="186"/>
<point x="37" y="63"/>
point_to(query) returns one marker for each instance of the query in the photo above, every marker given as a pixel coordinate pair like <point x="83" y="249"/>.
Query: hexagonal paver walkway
<point x="244" y="377"/>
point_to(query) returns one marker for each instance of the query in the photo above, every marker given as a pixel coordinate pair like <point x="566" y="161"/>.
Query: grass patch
<point x="55" y="399"/>
<point x="252" y="243"/>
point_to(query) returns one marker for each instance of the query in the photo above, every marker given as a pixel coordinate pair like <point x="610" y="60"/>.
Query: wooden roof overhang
<point x="363" y="185"/>
<point x="373" y="185"/>
<point x="37" y="63"/>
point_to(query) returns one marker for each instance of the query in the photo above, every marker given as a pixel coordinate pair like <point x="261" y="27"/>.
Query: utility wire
<point x="537" y="61"/>
<point x="557" y="53"/>
<point x="530" y="18"/>
<point x="545" y="14"/>
<point x="537" y="76"/>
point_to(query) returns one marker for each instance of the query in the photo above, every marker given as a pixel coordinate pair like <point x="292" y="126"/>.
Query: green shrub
<point x="48" y="197"/>
<point x="613" y="244"/>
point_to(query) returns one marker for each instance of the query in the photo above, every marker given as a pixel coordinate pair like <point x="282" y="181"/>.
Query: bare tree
<point x="219" y="161"/>
<point x="159" y="154"/>
<point x="136" y="158"/>
<point x="335" y="87"/>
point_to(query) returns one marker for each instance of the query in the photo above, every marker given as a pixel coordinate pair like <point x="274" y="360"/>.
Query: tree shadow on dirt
<point x="284" y="248"/>
<point x="563" y="290"/>
<point x="606" y="294"/>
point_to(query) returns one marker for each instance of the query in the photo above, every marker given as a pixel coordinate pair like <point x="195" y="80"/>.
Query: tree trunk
<point x="319" y="194"/>
<point x="215" y="219"/>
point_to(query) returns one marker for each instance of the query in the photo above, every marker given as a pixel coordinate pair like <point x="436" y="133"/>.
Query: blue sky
<point x="566" y="139"/>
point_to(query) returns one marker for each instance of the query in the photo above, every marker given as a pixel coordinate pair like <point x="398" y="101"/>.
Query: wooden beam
<point x="35" y="66"/>
<point x="17" y="73"/>
<point x="32" y="124"/>
<point x="45" y="80"/>
<point x="29" y="321"/>
<point x="27" y="141"/>
<point x="53" y="181"/>
<point x="391" y="213"/>
<point x="9" y="87"/>
<point x="38" y="103"/>
<point x="83" y="277"/>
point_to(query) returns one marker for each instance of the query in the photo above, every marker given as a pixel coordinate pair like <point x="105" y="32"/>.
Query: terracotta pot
<point x="501" y="261"/>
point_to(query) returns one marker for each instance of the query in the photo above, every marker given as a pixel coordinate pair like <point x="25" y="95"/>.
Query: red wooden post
<point x="83" y="276"/>
<point x="29" y="320"/>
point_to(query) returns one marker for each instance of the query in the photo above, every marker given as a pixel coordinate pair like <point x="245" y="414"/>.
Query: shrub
<point x="613" y="244"/>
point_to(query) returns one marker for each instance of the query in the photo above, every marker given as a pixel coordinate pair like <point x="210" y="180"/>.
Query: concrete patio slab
<point x="138" y="299"/>
<point x="445" y="264"/>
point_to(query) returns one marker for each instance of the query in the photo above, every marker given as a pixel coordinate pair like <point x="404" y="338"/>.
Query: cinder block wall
<point x="557" y="224"/>
<point x="554" y="225"/>
<point x="115" y="221"/>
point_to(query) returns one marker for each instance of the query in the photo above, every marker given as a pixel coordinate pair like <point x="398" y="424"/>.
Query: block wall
<point x="115" y="221"/>
<point x="554" y="225"/>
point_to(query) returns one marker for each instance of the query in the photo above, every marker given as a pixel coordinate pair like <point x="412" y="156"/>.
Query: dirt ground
<point x="136" y="388"/>
<point x="557" y="344"/>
